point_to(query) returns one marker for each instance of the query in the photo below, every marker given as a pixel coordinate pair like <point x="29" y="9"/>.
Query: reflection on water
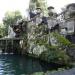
<point x="18" y="65"/>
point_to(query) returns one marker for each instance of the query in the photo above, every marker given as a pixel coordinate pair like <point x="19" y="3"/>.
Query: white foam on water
<point x="5" y="53"/>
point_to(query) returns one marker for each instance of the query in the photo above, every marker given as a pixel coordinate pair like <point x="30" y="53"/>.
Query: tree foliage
<point x="10" y="19"/>
<point x="55" y="55"/>
<point x="2" y="30"/>
<point x="61" y="40"/>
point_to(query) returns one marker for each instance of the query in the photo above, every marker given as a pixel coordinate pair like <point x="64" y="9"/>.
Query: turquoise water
<point x="22" y="65"/>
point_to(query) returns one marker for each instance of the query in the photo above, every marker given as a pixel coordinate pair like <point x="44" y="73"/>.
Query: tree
<point x="10" y="19"/>
<point x="2" y="30"/>
<point x="39" y="3"/>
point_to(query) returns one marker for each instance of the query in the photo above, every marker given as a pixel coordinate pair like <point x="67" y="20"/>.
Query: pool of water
<point x="22" y="65"/>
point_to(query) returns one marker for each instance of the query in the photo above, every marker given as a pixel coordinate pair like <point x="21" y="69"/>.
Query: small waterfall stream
<point x="7" y="43"/>
<point x="11" y="33"/>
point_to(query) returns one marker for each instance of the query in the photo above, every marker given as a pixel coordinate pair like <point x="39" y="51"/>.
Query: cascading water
<point x="11" y="33"/>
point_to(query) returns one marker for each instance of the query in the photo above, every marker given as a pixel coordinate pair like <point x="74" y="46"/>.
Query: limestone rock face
<point x="39" y="49"/>
<point x="51" y="22"/>
<point x="35" y="34"/>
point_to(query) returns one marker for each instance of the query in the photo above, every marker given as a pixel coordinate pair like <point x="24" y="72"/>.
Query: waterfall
<point x="11" y="33"/>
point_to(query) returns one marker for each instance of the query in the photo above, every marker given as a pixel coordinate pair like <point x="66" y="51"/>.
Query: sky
<point x="22" y="5"/>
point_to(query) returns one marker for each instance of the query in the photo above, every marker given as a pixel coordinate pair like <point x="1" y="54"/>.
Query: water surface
<point x="22" y="65"/>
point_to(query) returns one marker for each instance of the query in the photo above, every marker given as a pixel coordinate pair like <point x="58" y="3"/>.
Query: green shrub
<point x="56" y="55"/>
<point x="61" y="40"/>
<point x="72" y="46"/>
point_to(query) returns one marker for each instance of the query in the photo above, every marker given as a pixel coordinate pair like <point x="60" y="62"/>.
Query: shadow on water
<point x="17" y="65"/>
